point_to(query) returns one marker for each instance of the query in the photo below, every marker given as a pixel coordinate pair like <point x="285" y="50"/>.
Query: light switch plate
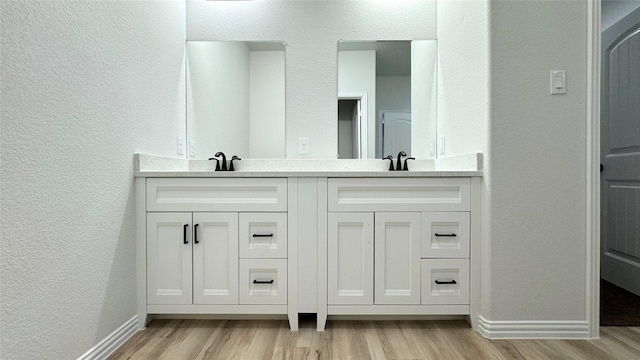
<point x="558" y="82"/>
<point x="303" y="146"/>
<point x="432" y="147"/>
<point x="192" y="148"/>
<point x="441" y="147"/>
<point x="180" y="146"/>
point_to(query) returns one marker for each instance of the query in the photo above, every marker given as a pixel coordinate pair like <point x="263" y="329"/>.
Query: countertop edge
<point x="272" y="174"/>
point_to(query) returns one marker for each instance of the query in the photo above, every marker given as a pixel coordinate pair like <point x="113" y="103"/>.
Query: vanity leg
<point x="322" y="321"/>
<point x="293" y="321"/>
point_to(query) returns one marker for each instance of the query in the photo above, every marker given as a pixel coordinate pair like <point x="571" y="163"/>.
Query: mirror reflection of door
<point x="349" y="129"/>
<point x="396" y="132"/>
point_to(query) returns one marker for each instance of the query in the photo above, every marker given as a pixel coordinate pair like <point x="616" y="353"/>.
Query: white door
<point x="350" y="259"/>
<point x="620" y="124"/>
<point x="215" y="258"/>
<point x="396" y="132"/>
<point x="169" y="258"/>
<point x="397" y="264"/>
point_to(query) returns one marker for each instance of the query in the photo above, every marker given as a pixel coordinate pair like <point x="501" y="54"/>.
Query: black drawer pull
<point x="448" y="235"/>
<point x="184" y="233"/>
<point x="446" y="282"/>
<point x="195" y="234"/>
<point x="262" y="235"/>
<point x="263" y="281"/>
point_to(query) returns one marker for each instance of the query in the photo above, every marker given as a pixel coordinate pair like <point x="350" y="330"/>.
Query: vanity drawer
<point x="263" y="235"/>
<point x="445" y="281"/>
<point x="445" y="234"/>
<point x="399" y="194"/>
<point x="216" y="194"/>
<point x="263" y="281"/>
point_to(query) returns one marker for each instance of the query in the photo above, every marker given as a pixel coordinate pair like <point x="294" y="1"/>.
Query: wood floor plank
<point x="271" y="339"/>
<point x="393" y="342"/>
<point x="264" y="339"/>
<point x="622" y="334"/>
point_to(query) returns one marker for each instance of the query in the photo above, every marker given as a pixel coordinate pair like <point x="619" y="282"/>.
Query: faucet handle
<point x="217" y="163"/>
<point x="405" y="167"/>
<point x="234" y="157"/>
<point x="390" y="158"/>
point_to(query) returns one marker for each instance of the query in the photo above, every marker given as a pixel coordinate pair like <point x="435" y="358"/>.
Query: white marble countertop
<point x="158" y="166"/>
<point x="272" y="174"/>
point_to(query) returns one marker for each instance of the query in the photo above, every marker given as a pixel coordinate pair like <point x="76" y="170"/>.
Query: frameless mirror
<point x="386" y="98"/>
<point x="236" y="99"/>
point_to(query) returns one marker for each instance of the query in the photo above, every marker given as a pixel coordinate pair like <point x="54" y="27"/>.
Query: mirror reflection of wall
<point x="395" y="82"/>
<point x="236" y="99"/>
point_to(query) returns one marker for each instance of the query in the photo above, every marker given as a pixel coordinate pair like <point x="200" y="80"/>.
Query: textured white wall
<point x="266" y="105"/>
<point x="357" y="74"/>
<point x="463" y="76"/>
<point x="534" y="210"/>
<point x="311" y="30"/>
<point x="614" y="10"/>
<point x="84" y="86"/>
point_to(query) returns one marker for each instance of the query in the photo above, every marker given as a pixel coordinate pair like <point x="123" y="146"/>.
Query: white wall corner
<point x="113" y="341"/>
<point x="517" y="329"/>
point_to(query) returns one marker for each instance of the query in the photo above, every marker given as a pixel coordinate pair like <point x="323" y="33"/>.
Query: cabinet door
<point x="397" y="247"/>
<point x="215" y="258"/>
<point x="350" y="258"/>
<point x="168" y="258"/>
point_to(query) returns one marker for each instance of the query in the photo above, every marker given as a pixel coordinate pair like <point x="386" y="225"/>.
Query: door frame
<point x="362" y="127"/>
<point x="593" y="168"/>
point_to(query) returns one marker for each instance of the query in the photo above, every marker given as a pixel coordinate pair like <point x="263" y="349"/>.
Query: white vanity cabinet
<point x="397" y="246"/>
<point x="215" y="246"/>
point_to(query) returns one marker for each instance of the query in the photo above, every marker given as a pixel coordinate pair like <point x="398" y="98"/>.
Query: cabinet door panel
<point x="397" y="265"/>
<point x="168" y="259"/>
<point x="215" y="258"/>
<point x="350" y="258"/>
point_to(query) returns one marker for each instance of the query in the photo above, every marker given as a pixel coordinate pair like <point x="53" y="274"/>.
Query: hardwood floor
<point x="271" y="339"/>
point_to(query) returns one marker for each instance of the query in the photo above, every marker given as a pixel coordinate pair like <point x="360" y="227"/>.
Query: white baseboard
<point x="113" y="341"/>
<point x="533" y="329"/>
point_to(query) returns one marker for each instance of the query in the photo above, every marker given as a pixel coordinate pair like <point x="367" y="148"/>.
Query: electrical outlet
<point x="180" y="147"/>
<point x="432" y="147"/>
<point x="303" y="146"/>
<point x="441" y="147"/>
<point x="192" y="148"/>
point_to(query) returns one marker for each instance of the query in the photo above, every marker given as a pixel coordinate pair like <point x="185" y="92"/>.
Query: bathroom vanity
<point x="293" y="240"/>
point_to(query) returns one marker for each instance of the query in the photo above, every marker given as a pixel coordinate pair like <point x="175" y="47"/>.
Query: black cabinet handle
<point x="446" y="282"/>
<point x="448" y="235"/>
<point x="263" y="281"/>
<point x="184" y="234"/>
<point x="262" y="235"/>
<point x="195" y="234"/>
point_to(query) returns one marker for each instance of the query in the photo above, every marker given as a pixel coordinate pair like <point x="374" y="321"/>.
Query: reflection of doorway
<point x="396" y="132"/>
<point x="620" y="186"/>
<point x="352" y="126"/>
